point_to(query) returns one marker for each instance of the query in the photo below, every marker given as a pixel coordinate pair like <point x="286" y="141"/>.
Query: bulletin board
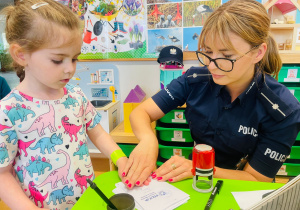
<point x="127" y="29"/>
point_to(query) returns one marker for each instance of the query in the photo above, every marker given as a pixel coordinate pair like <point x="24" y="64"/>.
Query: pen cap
<point x="203" y="158"/>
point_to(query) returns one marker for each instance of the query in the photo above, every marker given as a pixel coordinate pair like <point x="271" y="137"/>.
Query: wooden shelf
<point x="120" y="136"/>
<point x="284" y="26"/>
<point x="290" y="57"/>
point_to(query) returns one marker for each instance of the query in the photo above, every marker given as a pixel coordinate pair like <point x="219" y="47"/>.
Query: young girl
<point x="44" y="122"/>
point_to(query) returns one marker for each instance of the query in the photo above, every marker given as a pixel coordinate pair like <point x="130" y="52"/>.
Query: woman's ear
<point x="17" y="53"/>
<point x="262" y="49"/>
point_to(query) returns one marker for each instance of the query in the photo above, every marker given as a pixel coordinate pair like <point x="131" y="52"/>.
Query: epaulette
<point x="277" y="108"/>
<point x="198" y="74"/>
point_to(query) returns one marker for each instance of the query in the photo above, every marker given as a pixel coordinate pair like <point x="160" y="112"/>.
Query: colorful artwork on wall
<point x="116" y="29"/>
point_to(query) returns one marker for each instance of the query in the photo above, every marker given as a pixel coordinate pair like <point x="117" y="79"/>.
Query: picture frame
<point x="106" y="76"/>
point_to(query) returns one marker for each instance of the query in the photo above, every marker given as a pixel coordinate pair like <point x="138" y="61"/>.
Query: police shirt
<point x="262" y="122"/>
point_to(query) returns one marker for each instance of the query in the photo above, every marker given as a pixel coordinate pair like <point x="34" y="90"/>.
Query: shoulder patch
<point x="277" y="108"/>
<point x="198" y="74"/>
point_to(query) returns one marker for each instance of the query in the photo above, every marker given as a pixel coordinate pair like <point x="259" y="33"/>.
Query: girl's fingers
<point x="127" y="167"/>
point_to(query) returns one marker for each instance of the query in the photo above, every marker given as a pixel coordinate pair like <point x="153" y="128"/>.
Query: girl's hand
<point x="121" y="163"/>
<point x="175" y="169"/>
<point x="141" y="163"/>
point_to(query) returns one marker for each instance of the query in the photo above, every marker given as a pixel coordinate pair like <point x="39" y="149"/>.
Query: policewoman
<point x="233" y="102"/>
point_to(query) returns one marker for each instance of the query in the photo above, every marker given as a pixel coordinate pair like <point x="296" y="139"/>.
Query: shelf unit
<point x="283" y="32"/>
<point x="286" y="31"/>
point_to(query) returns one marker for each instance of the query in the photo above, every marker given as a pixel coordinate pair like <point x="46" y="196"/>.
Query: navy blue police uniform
<point x="262" y="123"/>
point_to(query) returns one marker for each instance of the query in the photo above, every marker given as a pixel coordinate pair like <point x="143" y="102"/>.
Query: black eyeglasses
<point x="224" y="64"/>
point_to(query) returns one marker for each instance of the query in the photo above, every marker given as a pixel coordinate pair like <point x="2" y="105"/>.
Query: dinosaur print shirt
<point x="46" y="141"/>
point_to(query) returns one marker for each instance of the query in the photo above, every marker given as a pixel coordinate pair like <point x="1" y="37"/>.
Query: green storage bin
<point x="295" y="91"/>
<point x="289" y="169"/>
<point x="298" y="137"/>
<point x="167" y="152"/>
<point x="295" y="153"/>
<point x="174" y="134"/>
<point x="159" y="163"/>
<point x="289" y="73"/>
<point x="127" y="148"/>
<point x="174" y="116"/>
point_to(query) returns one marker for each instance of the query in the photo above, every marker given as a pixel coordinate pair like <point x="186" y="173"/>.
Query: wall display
<point x="116" y="29"/>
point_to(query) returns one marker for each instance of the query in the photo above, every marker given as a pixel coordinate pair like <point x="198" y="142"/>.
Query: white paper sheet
<point x="157" y="195"/>
<point x="248" y="198"/>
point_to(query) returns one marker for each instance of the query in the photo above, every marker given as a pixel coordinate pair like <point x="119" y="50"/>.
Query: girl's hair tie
<point x="40" y="4"/>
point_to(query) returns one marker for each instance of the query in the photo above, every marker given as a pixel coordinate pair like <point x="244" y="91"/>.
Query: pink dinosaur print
<point x="24" y="145"/>
<point x="70" y="129"/>
<point x="2" y="127"/>
<point x="81" y="112"/>
<point x="27" y="97"/>
<point x="58" y="174"/>
<point x="88" y="124"/>
<point x="36" y="195"/>
<point x="43" y="121"/>
<point x="81" y="179"/>
<point x="89" y="108"/>
<point x="65" y="90"/>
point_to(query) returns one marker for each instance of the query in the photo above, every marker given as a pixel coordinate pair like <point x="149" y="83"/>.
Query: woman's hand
<point x="175" y="169"/>
<point x="141" y="163"/>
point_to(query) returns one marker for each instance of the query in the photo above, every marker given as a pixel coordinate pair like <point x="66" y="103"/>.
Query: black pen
<point x="101" y="194"/>
<point x="213" y="194"/>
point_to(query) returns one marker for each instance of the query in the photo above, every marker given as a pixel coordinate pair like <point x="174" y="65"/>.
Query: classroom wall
<point x="132" y="73"/>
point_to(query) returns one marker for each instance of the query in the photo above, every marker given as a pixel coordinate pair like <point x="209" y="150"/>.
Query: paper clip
<point x="37" y="5"/>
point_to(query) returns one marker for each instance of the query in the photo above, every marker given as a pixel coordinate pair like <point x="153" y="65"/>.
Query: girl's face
<point x="51" y="68"/>
<point x="243" y="69"/>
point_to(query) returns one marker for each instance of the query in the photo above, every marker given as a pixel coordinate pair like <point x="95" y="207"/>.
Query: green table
<point x="225" y="200"/>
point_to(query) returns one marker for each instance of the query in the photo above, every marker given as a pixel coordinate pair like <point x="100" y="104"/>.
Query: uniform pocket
<point x="242" y="139"/>
<point x="198" y="129"/>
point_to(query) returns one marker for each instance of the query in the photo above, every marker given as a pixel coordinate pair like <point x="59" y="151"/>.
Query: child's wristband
<point x="116" y="155"/>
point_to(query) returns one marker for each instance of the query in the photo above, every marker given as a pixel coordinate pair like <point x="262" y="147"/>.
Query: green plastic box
<point x="289" y="169"/>
<point x="295" y="91"/>
<point x="174" y="116"/>
<point x="289" y="73"/>
<point x="159" y="163"/>
<point x="295" y="153"/>
<point x="167" y="152"/>
<point x="174" y="134"/>
<point x="127" y="148"/>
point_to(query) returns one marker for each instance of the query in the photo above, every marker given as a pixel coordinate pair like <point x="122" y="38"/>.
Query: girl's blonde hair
<point x="249" y="20"/>
<point x="33" y="29"/>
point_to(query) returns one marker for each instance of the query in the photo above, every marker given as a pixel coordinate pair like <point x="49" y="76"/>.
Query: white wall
<point x="142" y="73"/>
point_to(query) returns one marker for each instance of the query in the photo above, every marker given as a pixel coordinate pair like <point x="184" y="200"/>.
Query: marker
<point x="101" y="194"/>
<point x="213" y="194"/>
